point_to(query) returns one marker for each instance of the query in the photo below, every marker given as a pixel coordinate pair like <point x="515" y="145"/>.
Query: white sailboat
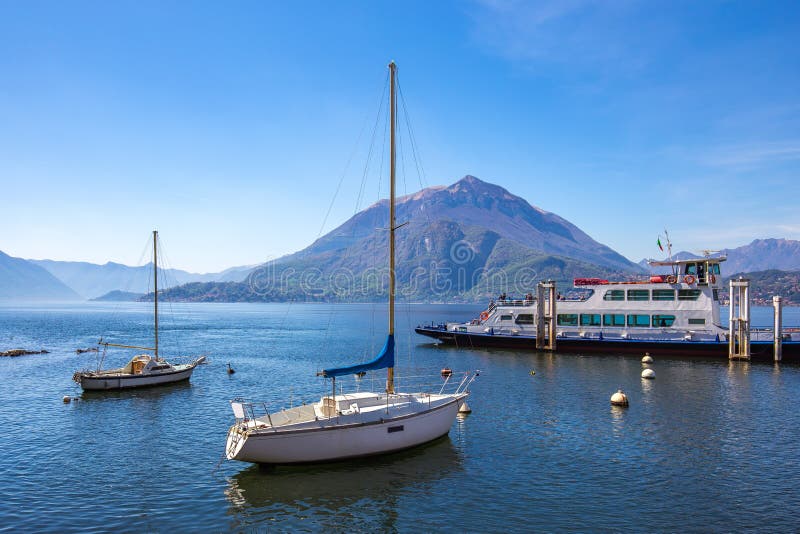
<point x="143" y="369"/>
<point x="351" y="425"/>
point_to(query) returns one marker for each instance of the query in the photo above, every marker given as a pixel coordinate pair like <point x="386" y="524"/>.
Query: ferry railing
<point x="510" y="302"/>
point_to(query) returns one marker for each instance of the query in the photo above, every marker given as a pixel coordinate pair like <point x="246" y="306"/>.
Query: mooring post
<point x="778" y="327"/>
<point x="540" y="316"/>
<point x="551" y="316"/>
<point x="545" y="315"/>
<point x="739" y="320"/>
<point x="731" y="321"/>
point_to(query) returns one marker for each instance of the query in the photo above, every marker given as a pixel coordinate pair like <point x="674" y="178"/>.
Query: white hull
<point x="126" y="381"/>
<point x="342" y="437"/>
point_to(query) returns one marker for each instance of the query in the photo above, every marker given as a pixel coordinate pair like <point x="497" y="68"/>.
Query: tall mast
<point x="155" y="285"/>
<point x="392" y="105"/>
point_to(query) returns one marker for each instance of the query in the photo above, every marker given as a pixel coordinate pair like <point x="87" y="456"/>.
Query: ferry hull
<point x="102" y="383"/>
<point x="342" y="442"/>
<point x="759" y="350"/>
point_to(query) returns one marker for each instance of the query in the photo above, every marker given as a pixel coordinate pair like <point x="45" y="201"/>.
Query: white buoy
<point x="647" y="358"/>
<point x="464" y="408"/>
<point x="66" y="399"/>
<point x="648" y="373"/>
<point x="619" y="399"/>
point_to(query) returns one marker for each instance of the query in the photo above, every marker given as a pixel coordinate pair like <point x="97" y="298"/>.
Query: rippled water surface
<point x="707" y="446"/>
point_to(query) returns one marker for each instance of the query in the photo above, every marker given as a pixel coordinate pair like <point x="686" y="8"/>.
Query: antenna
<point x="669" y="244"/>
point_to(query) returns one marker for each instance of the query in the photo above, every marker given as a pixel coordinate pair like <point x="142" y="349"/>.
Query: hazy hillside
<point x="21" y="279"/>
<point x="92" y="280"/>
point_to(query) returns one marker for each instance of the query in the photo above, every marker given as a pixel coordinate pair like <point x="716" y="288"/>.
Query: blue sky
<point x="228" y="125"/>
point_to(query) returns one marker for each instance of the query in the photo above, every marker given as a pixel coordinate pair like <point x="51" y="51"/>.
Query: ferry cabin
<point x="682" y="304"/>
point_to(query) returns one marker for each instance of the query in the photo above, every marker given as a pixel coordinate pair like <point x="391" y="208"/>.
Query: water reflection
<point x="361" y="494"/>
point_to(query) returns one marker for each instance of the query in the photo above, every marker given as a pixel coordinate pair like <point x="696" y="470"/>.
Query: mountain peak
<point x="472" y="183"/>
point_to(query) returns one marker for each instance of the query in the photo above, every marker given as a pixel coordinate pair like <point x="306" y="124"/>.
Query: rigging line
<point x="404" y="297"/>
<point x="114" y="319"/>
<point x="383" y="159"/>
<point x="414" y="147"/>
<point x="361" y="191"/>
<point x="362" y="187"/>
<point x="350" y="159"/>
<point x="414" y="150"/>
<point x="169" y="283"/>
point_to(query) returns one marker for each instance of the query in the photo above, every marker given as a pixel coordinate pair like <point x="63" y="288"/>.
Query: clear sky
<point x="227" y="125"/>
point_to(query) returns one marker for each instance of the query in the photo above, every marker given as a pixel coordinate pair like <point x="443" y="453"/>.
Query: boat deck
<point x="355" y="408"/>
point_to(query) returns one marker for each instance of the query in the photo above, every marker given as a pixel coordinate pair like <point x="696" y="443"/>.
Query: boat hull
<point x="110" y="382"/>
<point x="759" y="350"/>
<point x="329" y="442"/>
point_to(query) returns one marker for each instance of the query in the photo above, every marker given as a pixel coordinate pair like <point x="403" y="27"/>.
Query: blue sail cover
<point x="382" y="361"/>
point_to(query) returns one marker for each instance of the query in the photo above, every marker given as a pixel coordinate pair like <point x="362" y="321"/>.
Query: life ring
<point x="484" y="315"/>
<point x="671" y="279"/>
<point x="713" y="279"/>
<point x="689" y="279"/>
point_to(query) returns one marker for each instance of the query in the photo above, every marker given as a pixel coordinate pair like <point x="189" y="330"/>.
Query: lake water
<point x="707" y="446"/>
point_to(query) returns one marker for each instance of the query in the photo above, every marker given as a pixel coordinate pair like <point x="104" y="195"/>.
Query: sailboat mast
<point x="155" y="286"/>
<point x="393" y="106"/>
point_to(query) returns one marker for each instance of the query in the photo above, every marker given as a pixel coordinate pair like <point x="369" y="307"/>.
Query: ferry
<point x="677" y="313"/>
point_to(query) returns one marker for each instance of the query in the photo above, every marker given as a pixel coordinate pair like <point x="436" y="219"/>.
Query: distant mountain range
<point x="21" y="279"/>
<point x="91" y="281"/>
<point x="465" y="242"/>
<point x="760" y="255"/>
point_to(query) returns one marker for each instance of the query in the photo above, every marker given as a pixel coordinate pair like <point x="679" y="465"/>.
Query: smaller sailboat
<point x="352" y="425"/>
<point x="143" y="369"/>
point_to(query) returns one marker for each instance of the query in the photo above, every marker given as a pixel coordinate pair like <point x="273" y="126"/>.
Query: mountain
<point x="234" y="274"/>
<point x="469" y="241"/>
<point x="471" y="202"/>
<point x="21" y="279"/>
<point x="760" y="255"/>
<point x="92" y="280"/>
<point x="119" y="296"/>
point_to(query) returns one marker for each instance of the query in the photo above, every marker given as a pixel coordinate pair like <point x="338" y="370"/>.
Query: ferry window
<point x="663" y="320"/>
<point x="663" y="294"/>
<point x="638" y="294"/>
<point x="614" y="319"/>
<point x="614" y="294"/>
<point x="506" y="317"/>
<point x="688" y="294"/>
<point x="567" y="319"/>
<point x="691" y="268"/>
<point x="714" y="268"/>
<point x="638" y="320"/>
<point x="590" y="319"/>
<point x="697" y="321"/>
<point x="716" y="294"/>
<point x="524" y="318"/>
